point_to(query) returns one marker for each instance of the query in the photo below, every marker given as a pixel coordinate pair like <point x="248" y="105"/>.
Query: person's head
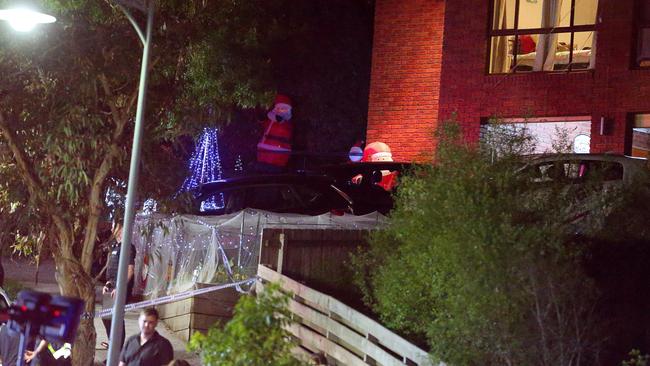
<point x="117" y="230"/>
<point x="178" y="363"/>
<point x="148" y="321"/>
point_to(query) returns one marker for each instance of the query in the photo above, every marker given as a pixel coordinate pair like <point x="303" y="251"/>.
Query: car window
<point x="277" y="198"/>
<point x="605" y="170"/>
<point x="543" y="172"/>
<point x="234" y="200"/>
<point x="574" y="171"/>
<point x="309" y="194"/>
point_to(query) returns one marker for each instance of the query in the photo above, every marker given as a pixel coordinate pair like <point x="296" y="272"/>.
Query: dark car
<point x="363" y="183"/>
<point x="607" y="175"/>
<point x="578" y="168"/>
<point x="307" y="194"/>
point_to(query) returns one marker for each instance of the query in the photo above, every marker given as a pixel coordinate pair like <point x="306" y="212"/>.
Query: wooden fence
<point x="317" y="257"/>
<point x="326" y="326"/>
<point x="199" y="313"/>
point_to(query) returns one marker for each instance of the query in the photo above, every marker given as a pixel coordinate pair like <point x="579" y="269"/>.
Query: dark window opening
<point x="643" y="34"/>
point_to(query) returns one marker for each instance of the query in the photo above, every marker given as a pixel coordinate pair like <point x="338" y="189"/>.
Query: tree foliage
<point x="67" y="102"/>
<point x="481" y="265"/>
<point x="254" y="336"/>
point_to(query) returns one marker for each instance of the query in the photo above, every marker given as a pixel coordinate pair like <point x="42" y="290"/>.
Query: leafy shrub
<point x="12" y="288"/>
<point x="481" y="265"/>
<point x="254" y="336"/>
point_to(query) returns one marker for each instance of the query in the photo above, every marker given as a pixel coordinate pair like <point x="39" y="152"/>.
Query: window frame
<point x="526" y="121"/>
<point x="639" y="25"/>
<point x="516" y="32"/>
<point x="629" y="131"/>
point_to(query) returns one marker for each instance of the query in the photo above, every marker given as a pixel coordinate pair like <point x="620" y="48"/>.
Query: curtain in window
<point x="592" y="57"/>
<point x="499" y="45"/>
<point x="547" y="44"/>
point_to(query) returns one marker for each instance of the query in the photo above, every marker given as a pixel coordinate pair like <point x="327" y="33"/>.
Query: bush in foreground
<point x="482" y="266"/>
<point x="255" y="335"/>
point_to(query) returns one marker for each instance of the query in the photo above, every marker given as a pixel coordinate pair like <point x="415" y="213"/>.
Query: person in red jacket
<point x="274" y="148"/>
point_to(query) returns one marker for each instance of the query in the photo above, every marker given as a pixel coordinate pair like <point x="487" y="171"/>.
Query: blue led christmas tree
<point x="204" y="167"/>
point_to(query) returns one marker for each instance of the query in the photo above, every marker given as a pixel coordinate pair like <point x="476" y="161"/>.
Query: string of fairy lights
<point x="204" y="167"/>
<point x="183" y="250"/>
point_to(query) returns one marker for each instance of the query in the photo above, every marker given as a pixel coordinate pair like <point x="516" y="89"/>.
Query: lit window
<point x="643" y="34"/>
<point x="640" y="142"/>
<point x="542" y="35"/>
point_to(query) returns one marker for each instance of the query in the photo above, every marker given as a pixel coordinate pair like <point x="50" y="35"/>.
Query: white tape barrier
<point x="171" y="298"/>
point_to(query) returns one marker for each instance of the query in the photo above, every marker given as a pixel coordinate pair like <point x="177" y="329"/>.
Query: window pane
<point x="503" y="14"/>
<point x="565" y="13"/>
<point x="547" y="137"/>
<point x="501" y="49"/>
<point x="641" y="136"/>
<point x="585" y="12"/>
<point x="530" y="14"/>
<point x="582" y="49"/>
<point x="560" y="59"/>
<point x="526" y="47"/>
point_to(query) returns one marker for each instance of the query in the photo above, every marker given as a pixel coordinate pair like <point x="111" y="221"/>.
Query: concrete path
<point x="24" y="272"/>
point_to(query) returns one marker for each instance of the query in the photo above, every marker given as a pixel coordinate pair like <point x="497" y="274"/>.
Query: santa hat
<point x="377" y="151"/>
<point x="282" y="99"/>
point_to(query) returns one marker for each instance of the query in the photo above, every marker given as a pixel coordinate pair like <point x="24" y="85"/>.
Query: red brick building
<point x="578" y="65"/>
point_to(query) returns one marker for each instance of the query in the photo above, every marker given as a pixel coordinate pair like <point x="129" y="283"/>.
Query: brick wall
<point x="611" y="90"/>
<point x="405" y="76"/>
<point x="406" y="70"/>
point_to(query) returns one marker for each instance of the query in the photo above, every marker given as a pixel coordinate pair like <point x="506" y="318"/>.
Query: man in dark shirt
<point x="147" y="348"/>
<point x="111" y="276"/>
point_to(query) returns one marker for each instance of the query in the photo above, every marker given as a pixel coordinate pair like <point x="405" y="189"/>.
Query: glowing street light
<point x="24" y="20"/>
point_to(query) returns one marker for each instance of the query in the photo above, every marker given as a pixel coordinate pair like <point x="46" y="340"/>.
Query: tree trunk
<point x="75" y="282"/>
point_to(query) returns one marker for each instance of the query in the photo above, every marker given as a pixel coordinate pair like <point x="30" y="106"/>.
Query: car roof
<point x="364" y="167"/>
<point x="574" y="156"/>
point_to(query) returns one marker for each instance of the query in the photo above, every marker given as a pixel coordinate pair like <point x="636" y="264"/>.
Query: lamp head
<point x="23" y="19"/>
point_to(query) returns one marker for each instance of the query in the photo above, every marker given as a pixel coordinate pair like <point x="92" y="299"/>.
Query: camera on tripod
<point x="55" y="318"/>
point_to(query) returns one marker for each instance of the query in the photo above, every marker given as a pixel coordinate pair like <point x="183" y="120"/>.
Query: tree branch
<point x="25" y="166"/>
<point x="95" y="206"/>
<point x="120" y="117"/>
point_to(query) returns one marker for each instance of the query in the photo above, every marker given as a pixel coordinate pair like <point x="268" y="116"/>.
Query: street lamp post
<point x="129" y="211"/>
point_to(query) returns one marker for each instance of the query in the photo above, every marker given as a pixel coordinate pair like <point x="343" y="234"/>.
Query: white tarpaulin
<point x="175" y="253"/>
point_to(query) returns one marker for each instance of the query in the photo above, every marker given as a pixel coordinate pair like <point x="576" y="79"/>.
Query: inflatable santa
<point x="376" y="152"/>
<point x="274" y="148"/>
